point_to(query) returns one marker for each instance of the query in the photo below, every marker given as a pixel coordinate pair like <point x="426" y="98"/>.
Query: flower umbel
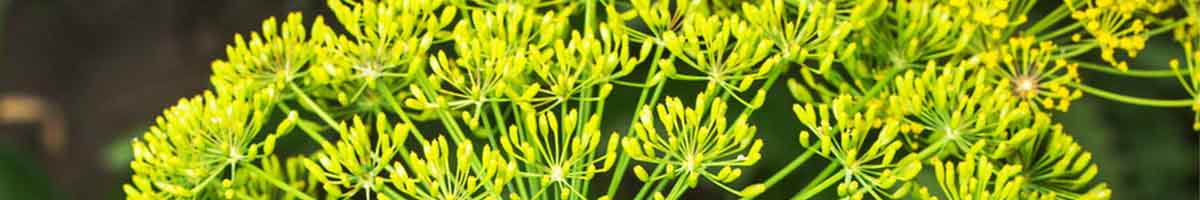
<point x="696" y="140"/>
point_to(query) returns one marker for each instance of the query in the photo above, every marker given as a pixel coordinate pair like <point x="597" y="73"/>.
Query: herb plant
<point x="506" y="99"/>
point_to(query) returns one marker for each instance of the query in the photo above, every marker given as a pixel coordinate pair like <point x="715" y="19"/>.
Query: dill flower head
<point x="357" y="162"/>
<point x="1054" y="164"/>
<point x="387" y="42"/>
<point x="695" y="141"/>
<point x="815" y="29"/>
<point x="727" y="52"/>
<point x="917" y="31"/>
<point x="975" y="177"/>
<point x="461" y="174"/>
<point x="842" y="137"/>
<point x="1115" y="25"/>
<point x="197" y="143"/>
<point x="559" y="153"/>
<point x="494" y="52"/>
<point x="580" y="64"/>
<point x="957" y="107"/>
<point x="1189" y="76"/>
<point x="278" y="55"/>
<point x="1033" y="73"/>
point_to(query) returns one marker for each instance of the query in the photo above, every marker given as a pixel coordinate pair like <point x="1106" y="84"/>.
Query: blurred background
<point x="79" y="79"/>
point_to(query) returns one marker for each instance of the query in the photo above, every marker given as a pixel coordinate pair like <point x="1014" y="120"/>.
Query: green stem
<point x="787" y="170"/>
<point x="878" y="87"/>
<point x="589" y="18"/>
<point x="677" y="190"/>
<point x="1134" y="100"/>
<point x="1059" y="32"/>
<point x="933" y="148"/>
<point x="312" y="106"/>
<point x="825" y="173"/>
<point x="1050" y="19"/>
<point x="648" y="184"/>
<point x="623" y="159"/>
<point x="813" y="191"/>
<point x="277" y="183"/>
<point x="1130" y="72"/>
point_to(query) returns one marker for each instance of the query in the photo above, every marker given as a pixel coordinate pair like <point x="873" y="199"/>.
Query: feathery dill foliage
<point x="499" y="99"/>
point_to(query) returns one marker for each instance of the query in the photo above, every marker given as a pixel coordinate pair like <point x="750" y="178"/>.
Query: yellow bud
<point x="641" y="173"/>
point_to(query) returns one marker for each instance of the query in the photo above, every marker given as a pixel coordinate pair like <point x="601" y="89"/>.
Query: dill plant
<point x="483" y="99"/>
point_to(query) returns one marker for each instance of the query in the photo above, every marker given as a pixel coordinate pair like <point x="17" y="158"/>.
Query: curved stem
<point x="813" y="191"/>
<point x="278" y="183"/>
<point x="1130" y="72"/>
<point x="787" y="170"/>
<point x="1134" y="100"/>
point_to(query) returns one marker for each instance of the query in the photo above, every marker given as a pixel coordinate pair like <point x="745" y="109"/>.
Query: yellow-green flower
<point x="281" y="53"/>
<point x="1053" y="164"/>
<point x="358" y="161"/>
<point x="197" y="143"/>
<point x="842" y="137"/>
<point x="975" y="177"/>
<point x="1033" y="73"/>
<point x="388" y="42"/>
<point x="957" y="106"/>
<point x="560" y="154"/>
<point x="461" y="174"/>
<point x="694" y="141"/>
<point x="1189" y="77"/>
<point x="813" y="30"/>
<point x="1115" y="25"/>
<point x="726" y="52"/>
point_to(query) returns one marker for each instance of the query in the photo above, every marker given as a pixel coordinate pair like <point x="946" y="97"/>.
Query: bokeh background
<point x="107" y="68"/>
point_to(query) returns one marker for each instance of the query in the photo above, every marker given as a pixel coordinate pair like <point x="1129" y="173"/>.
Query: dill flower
<point x="1114" y="25"/>
<point x="388" y="42"/>
<point x="493" y="50"/>
<point x="356" y="163"/>
<point x="918" y="31"/>
<point x="255" y="184"/>
<point x="461" y="174"/>
<point x="994" y="19"/>
<point x="582" y="63"/>
<point x="278" y="55"/>
<point x="660" y="17"/>
<point x="865" y="168"/>
<point x="1189" y="77"/>
<point x="696" y="140"/>
<point x="814" y="30"/>
<point x="197" y="143"/>
<point x="730" y="58"/>
<point x="559" y="153"/>
<point x="957" y="106"/>
<point x="1054" y="165"/>
<point x="1033" y="73"/>
<point x="977" y="178"/>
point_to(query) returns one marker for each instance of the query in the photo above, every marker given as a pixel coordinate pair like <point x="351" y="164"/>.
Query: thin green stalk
<point x="589" y="15"/>
<point x="933" y="148"/>
<point x="1134" y="100"/>
<point x="1130" y="72"/>
<point x="1059" y="32"/>
<point x="277" y="183"/>
<point x="1050" y="19"/>
<point x="813" y="191"/>
<point x="648" y="184"/>
<point x="312" y="106"/>
<point x="787" y="170"/>
<point x="623" y="159"/>
<point x="825" y="173"/>
<point x="878" y="87"/>
<point x="677" y="190"/>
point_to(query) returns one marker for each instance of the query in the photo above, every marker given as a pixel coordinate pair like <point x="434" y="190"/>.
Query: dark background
<point x="112" y="66"/>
